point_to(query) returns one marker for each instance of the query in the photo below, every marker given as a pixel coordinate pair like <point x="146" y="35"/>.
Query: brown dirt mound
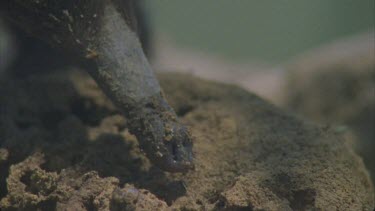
<point x="65" y="147"/>
<point x="335" y="84"/>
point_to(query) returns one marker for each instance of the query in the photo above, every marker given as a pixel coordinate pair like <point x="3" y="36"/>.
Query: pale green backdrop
<point x="270" y="30"/>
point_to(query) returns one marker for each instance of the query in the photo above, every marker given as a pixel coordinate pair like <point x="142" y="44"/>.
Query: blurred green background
<point x="263" y="30"/>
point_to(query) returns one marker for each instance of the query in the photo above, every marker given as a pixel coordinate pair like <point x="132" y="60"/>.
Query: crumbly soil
<point x="335" y="85"/>
<point x="64" y="146"/>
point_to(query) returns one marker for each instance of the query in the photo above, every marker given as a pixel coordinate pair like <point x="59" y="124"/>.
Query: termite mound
<point x="66" y="147"/>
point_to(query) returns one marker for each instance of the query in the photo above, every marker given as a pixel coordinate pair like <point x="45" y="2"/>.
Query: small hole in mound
<point x="303" y="199"/>
<point x="48" y="205"/>
<point x="199" y="202"/>
<point x="220" y="204"/>
<point x="26" y="179"/>
<point x="89" y="205"/>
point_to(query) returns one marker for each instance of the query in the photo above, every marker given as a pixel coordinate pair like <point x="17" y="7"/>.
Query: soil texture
<point x="64" y="146"/>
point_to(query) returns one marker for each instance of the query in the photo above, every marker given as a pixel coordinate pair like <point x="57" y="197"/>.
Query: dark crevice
<point x="236" y="208"/>
<point x="150" y="105"/>
<point x="4" y="169"/>
<point x="170" y="191"/>
<point x="303" y="199"/>
<point x="221" y="205"/>
<point x="174" y="152"/>
<point x="26" y="179"/>
<point x="89" y="205"/>
<point x="48" y="205"/>
<point x="183" y="110"/>
<point x="89" y="112"/>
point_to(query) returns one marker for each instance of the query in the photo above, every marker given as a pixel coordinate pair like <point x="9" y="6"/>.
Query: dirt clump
<point x="69" y="149"/>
